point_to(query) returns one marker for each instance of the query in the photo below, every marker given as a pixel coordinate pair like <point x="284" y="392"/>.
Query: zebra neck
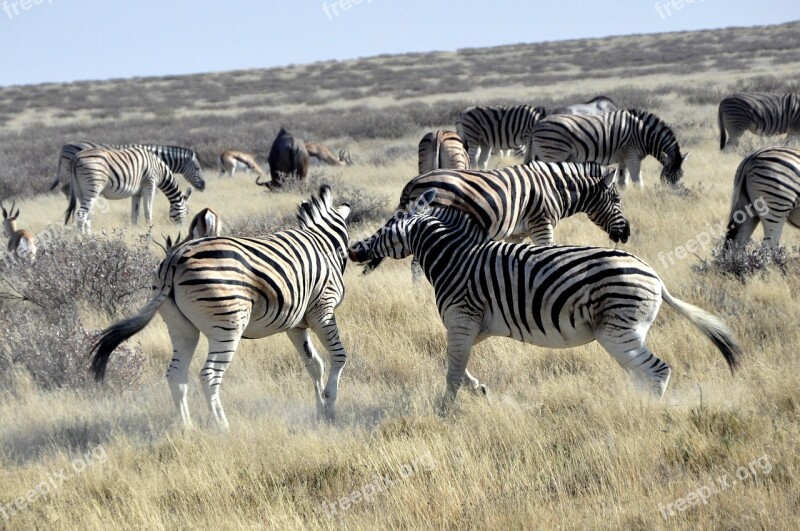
<point x="169" y="186"/>
<point x="174" y="157"/>
<point x="333" y="246"/>
<point x="443" y="252"/>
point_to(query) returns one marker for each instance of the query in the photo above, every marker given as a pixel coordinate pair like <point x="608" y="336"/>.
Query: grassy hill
<point x="564" y="438"/>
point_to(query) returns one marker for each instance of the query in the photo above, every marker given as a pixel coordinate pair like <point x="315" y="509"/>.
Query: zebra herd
<point x="452" y="220"/>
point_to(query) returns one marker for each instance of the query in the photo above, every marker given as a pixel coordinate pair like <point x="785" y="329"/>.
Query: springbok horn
<point x="5" y="214"/>
<point x="13" y="204"/>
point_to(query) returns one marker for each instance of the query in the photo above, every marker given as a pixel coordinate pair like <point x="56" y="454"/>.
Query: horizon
<point x="149" y="46"/>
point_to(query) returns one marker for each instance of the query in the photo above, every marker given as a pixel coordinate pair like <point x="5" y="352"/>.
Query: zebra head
<point x="606" y="211"/>
<point x="391" y="240"/>
<point x="178" y="208"/>
<point x="672" y="170"/>
<point x="191" y="171"/>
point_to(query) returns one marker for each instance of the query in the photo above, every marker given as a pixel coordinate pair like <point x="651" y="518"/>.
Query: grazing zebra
<point x="234" y="288"/>
<point x="525" y="200"/>
<point x="118" y="174"/>
<point x="761" y="114"/>
<point x="231" y="160"/>
<point x="288" y="157"/>
<point x="596" y="105"/>
<point x="178" y="159"/>
<point x="625" y="137"/>
<point x="483" y="129"/>
<point x="21" y="242"/>
<point x="323" y="154"/>
<point x="767" y="190"/>
<point x="550" y="296"/>
<point x="442" y="150"/>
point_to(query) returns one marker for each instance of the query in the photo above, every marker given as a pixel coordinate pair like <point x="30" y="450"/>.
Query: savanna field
<point x="564" y="439"/>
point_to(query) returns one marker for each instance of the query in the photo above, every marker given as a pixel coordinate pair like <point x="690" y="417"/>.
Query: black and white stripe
<point x="484" y="128"/>
<point x="766" y="190"/>
<point x="119" y="174"/>
<point x="623" y="137"/>
<point x="550" y="296"/>
<point x="178" y="159"/>
<point x="442" y="150"/>
<point x="761" y="114"/>
<point x="234" y="288"/>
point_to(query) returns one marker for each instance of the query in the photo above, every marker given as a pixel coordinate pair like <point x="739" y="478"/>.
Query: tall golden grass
<point x="563" y="440"/>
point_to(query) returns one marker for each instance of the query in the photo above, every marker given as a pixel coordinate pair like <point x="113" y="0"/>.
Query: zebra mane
<point x="316" y="211"/>
<point x="654" y="123"/>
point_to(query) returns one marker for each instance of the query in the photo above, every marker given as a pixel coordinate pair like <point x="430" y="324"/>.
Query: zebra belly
<point x="497" y="322"/>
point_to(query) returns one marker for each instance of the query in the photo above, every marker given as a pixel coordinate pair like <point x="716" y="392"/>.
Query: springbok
<point x="205" y="223"/>
<point x="323" y="154"/>
<point x="231" y="160"/>
<point x="20" y="241"/>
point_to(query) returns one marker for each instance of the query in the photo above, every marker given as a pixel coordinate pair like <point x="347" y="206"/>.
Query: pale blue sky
<point x="66" y="40"/>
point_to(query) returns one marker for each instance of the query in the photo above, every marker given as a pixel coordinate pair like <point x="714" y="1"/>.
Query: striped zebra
<point x="525" y="200"/>
<point x="549" y="296"/>
<point x="761" y="114"/>
<point x="766" y="190"/>
<point x="442" y="150"/>
<point x="234" y="288"/>
<point x="484" y="128"/>
<point x="119" y="174"/>
<point x="623" y="137"/>
<point x="178" y="159"/>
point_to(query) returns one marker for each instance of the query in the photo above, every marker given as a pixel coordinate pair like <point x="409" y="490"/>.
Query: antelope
<point x="205" y="223"/>
<point x="20" y="241"/>
<point x="231" y="160"/>
<point x="323" y="154"/>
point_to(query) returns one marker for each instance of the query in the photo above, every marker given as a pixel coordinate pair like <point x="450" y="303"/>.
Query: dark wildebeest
<point x="596" y="105"/>
<point x="287" y="157"/>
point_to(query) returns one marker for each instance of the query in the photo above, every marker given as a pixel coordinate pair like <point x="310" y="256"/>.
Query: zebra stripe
<point x="550" y="296"/>
<point x="119" y="174"/>
<point x="766" y="189"/>
<point x="234" y="288"/>
<point x="178" y="159"/>
<point x="483" y="129"/>
<point x="442" y="150"/>
<point x="761" y="114"/>
<point x="623" y="137"/>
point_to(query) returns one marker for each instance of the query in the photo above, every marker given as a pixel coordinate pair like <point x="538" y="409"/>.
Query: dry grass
<point x="564" y="439"/>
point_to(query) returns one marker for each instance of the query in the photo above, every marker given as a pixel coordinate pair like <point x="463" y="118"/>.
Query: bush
<point x="750" y="260"/>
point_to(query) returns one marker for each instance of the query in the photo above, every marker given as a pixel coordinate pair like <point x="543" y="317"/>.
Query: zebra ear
<point x="608" y="178"/>
<point x="344" y="210"/>
<point x="685" y="157"/>
<point x="423" y="202"/>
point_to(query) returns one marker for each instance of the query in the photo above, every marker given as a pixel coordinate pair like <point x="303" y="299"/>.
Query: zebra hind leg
<point x="184" y="336"/>
<point x="461" y="334"/>
<point x="628" y="348"/>
<point x="220" y="354"/>
<point x="328" y="333"/>
<point x="313" y="362"/>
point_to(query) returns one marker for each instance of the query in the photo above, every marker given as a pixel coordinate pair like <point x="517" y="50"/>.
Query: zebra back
<point x="499" y="127"/>
<point x="521" y="199"/>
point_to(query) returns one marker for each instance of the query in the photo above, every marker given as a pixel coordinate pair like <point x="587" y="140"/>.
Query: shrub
<point x="750" y="260"/>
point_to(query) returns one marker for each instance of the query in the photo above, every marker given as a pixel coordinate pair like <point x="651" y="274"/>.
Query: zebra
<point x="121" y="173"/>
<point x="484" y="128"/>
<point x="550" y="296"/>
<point x="442" y="150"/>
<point x="178" y="159"/>
<point x="766" y="189"/>
<point x="625" y="137"/>
<point x="761" y="114"/>
<point x="596" y="105"/>
<point x="234" y="288"/>
<point x="21" y="242"/>
<point x="525" y="200"/>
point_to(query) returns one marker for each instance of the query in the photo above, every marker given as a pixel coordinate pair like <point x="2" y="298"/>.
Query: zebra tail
<point x="711" y="325"/>
<point x="739" y="202"/>
<point x="73" y="199"/>
<point x="111" y="337"/>
<point x="723" y="134"/>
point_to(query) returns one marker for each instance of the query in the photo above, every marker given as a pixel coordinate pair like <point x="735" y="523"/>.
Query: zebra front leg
<point x="461" y="334"/>
<point x="136" y="202"/>
<point x="622" y="175"/>
<point x="634" y="166"/>
<point x="328" y="333"/>
<point x="220" y="354"/>
<point x="416" y="271"/>
<point x="628" y="348"/>
<point x="148" y="193"/>
<point x="541" y="232"/>
<point x="313" y="362"/>
<point x="483" y="159"/>
<point x="184" y="336"/>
